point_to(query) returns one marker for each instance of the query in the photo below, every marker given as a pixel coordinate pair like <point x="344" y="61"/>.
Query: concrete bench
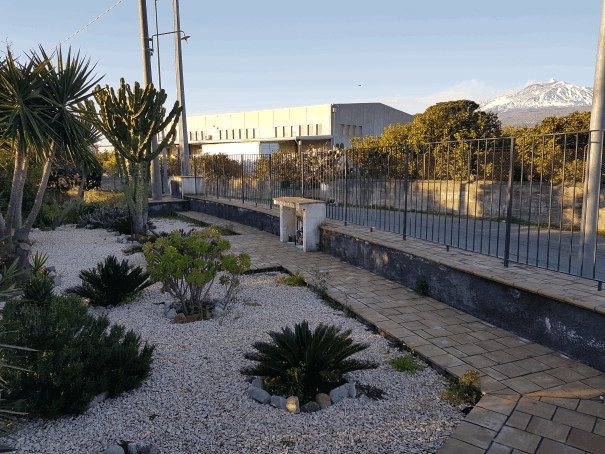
<point x="313" y="213"/>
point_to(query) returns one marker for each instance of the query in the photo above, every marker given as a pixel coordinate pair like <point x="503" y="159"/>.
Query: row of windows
<point x="300" y="130"/>
<point x="350" y="130"/>
<point x="251" y="133"/>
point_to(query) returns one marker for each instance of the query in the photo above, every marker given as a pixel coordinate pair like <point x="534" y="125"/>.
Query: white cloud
<point x="472" y="89"/>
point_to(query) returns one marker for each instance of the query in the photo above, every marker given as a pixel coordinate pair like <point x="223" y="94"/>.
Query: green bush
<point x="188" y="264"/>
<point x="294" y="280"/>
<point x="38" y="289"/>
<point x="466" y="390"/>
<point x="78" y="357"/>
<point x="303" y="363"/>
<point x="405" y="364"/>
<point x="111" y="283"/>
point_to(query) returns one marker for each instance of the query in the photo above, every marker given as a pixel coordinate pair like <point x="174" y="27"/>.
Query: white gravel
<point x="195" y="399"/>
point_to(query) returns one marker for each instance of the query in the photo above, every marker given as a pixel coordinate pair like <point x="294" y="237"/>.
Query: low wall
<point x="162" y="208"/>
<point x="564" y="327"/>
<point x="250" y="217"/>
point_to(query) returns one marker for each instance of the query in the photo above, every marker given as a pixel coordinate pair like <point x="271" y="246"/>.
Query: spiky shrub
<point x="188" y="264"/>
<point x="78" y="357"/>
<point x="38" y="289"/>
<point x="110" y="218"/>
<point x="302" y="362"/>
<point x="111" y="282"/>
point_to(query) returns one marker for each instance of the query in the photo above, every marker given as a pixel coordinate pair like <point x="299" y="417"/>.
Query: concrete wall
<point x="244" y="216"/>
<point x="561" y="326"/>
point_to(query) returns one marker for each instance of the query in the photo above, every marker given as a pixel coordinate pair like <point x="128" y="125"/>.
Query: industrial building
<point x="298" y="128"/>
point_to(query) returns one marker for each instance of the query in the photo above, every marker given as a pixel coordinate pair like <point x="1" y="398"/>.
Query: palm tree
<point x="39" y="119"/>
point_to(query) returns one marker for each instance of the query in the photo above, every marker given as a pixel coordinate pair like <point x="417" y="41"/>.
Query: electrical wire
<point x="86" y="26"/>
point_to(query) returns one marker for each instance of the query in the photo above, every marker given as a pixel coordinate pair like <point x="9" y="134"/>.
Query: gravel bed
<point x="195" y="399"/>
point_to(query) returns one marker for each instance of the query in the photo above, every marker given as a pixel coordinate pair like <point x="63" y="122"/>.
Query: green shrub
<point x="38" y="289"/>
<point x="295" y="280"/>
<point x="111" y="283"/>
<point x="188" y="264"/>
<point x="405" y="364"/>
<point x="303" y="363"/>
<point x="467" y="390"/>
<point x="422" y="288"/>
<point x="78" y="357"/>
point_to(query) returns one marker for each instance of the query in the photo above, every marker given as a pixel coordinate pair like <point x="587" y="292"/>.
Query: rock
<point x="50" y="269"/>
<point x="279" y="402"/>
<point x="250" y="378"/>
<point x="25" y="246"/>
<point x="114" y="449"/>
<point x="98" y="399"/>
<point x="153" y="450"/>
<point x="310" y="407"/>
<point x="171" y="314"/>
<point x="258" y="382"/>
<point x="352" y="391"/>
<point x="292" y="404"/>
<point x="323" y="400"/>
<point x="342" y="392"/>
<point x="133" y="448"/>
<point x="259" y="394"/>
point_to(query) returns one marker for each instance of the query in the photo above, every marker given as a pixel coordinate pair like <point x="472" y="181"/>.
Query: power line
<point x="86" y="26"/>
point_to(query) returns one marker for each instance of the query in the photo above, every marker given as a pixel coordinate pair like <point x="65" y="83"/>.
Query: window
<point x="342" y="130"/>
<point x="318" y="129"/>
<point x="254" y="133"/>
<point x="220" y="135"/>
<point x="359" y="131"/>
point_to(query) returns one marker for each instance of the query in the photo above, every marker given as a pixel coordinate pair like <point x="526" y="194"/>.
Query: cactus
<point x="129" y="120"/>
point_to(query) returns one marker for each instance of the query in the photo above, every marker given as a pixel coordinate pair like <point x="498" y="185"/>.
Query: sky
<point x="266" y="54"/>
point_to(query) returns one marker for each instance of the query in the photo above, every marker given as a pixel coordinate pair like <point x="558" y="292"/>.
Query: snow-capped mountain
<point x="540" y="95"/>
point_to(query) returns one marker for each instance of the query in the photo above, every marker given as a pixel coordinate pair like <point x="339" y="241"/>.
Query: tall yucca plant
<point x="130" y="119"/>
<point x="306" y="362"/>
<point x="39" y="120"/>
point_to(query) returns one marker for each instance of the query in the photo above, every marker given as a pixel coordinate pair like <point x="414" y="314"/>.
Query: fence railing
<point x="519" y="199"/>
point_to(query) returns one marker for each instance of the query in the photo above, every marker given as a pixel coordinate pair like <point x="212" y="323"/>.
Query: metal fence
<point x="519" y="199"/>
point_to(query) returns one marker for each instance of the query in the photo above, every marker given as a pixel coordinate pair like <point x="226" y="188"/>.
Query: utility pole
<point x="156" y="183"/>
<point x="157" y="49"/>
<point x="594" y="159"/>
<point x="180" y="85"/>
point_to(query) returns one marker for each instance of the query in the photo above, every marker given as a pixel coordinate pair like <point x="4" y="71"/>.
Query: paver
<point x="474" y="435"/>
<point x="548" y="429"/>
<point x="519" y="420"/>
<point x="574" y="419"/>
<point x="538" y="401"/>
<point x="587" y="441"/>
<point x="515" y="438"/>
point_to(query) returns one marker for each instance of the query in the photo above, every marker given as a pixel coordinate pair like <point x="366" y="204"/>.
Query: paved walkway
<point x="536" y="400"/>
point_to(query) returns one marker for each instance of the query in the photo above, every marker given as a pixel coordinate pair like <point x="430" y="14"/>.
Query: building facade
<point x="298" y="128"/>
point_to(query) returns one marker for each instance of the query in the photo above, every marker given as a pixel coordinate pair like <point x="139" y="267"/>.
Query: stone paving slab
<point x="536" y="400"/>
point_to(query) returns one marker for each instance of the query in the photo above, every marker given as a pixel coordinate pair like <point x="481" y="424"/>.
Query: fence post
<point x="270" y="185"/>
<point x="302" y="170"/>
<point x="405" y="192"/>
<point x="346" y="185"/>
<point x="195" y="175"/>
<point x="509" y="203"/>
<point x="242" y="178"/>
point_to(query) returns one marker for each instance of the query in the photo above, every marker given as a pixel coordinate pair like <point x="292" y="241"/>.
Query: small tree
<point x="188" y="264"/>
<point x="129" y="120"/>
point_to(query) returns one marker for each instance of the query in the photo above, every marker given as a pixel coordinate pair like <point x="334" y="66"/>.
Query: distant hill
<point x="532" y="104"/>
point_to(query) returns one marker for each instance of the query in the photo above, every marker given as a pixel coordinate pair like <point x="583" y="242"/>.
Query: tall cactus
<point x="129" y="120"/>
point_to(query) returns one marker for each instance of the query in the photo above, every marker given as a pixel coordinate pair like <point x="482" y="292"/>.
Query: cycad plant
<point x="111" y="283"/>
<point x="302" y="362"/>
